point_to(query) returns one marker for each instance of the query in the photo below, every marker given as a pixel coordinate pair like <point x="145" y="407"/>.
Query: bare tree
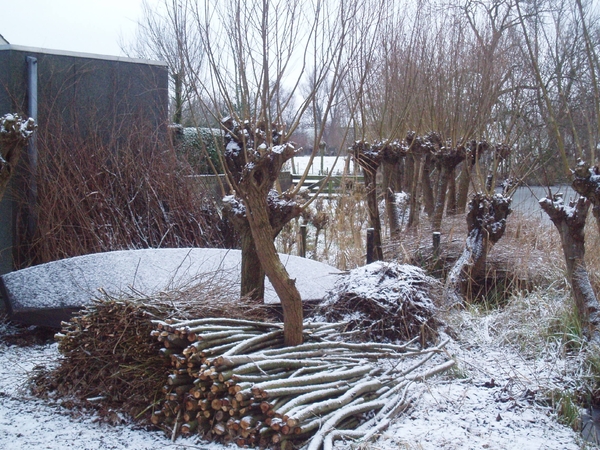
<point x="257" y="56"/>
<point x="563" y="74"/>
<point x="166" y="33"/>
<point x="570" y="223"/>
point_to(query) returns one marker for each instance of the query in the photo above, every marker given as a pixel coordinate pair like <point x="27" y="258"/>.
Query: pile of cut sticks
<point x="234" y="381"/>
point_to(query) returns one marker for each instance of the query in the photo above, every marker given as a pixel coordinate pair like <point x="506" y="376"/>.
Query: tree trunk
<point x="266" y="212"/>
<point x="440" y="200"/>
<point x="427" y="188"/>
<point x="253" y="275"/>
<point x="284" y="286"/>
<point x="409" y="170"/>
<point x="464" y="182"/>
<point x="256" y="180"/>
<point x="369" y="159"/>
<point x="399" y="173"/>
<point x="570" y="223"/>
<point x="486" y="222"/>
<point x="373" y="210"/>
<point x="390" y="177"/>
<point x="452" y="206"/>
<point x="9" y="158"/>
<point x="474" y="150"/>
<point x="446" y="161"/>
<point x="415" y="195"/>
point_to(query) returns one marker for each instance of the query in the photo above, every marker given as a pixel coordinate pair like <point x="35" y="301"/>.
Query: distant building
<point x="85" y="93"/>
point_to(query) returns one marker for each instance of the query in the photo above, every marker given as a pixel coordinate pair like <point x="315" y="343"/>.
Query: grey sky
<point x="90" y="26"/>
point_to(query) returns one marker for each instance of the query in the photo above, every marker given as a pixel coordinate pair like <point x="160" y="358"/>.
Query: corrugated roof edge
<point x="47" y="51"/>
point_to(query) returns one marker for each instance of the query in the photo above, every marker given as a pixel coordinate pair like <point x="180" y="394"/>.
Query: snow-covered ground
<point x="486" y="403"/>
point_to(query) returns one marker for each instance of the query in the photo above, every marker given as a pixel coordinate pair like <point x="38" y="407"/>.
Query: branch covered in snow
<point x="15" y="128"/>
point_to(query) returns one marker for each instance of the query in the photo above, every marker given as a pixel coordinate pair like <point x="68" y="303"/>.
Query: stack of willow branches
<point x="234" y="381"/>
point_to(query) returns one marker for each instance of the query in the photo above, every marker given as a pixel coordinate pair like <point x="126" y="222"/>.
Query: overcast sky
<point x="90" y="26"/>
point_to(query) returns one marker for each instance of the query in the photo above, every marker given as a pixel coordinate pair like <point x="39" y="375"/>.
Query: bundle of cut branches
<point x="385" y="301"/>
<point x="109" y="356"/>
<point x="234" y="381"/>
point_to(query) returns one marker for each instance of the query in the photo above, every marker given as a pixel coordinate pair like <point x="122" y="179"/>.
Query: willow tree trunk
<point x="415" y="191"/>
<point x="464" y="183"/>
<point x="440" y="200"/>
<point x="451" y="203"/>
<point x="392" y="154"/>
<point x="474" y="150"/>
<point x="427" y="188"/>
<point x="253" y="275"/>
<point x="486" y="223"/>
<point x="446" y="161"/>
<point x="374" y="219"/>
<point x="570" y="223"/>
<point x="391" y="207"/>
<point x="409" y="170"/>
<point x="254" y="155"/>
<point x="284" y="286"/>
<point x="9" y="158"/>
<point x="369" y="158"/>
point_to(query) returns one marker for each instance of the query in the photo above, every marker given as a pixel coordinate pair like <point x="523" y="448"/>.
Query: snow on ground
<point x="491" y="409"/>
<point x="484" y="404"/>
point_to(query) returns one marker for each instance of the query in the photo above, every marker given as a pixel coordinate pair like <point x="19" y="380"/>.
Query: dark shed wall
<point x="85" y="91"/>
<point x="87" y="95"/>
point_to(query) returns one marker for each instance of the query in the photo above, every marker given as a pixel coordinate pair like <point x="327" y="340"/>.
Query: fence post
<point x="370" y="245"/>
<point x="303" y="241"/>
<point x="436" y="244"/>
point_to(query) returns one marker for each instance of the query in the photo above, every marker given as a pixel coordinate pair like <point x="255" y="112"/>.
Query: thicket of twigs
<point x="128" y="191"/>
<point x="385" y="301"/>
<point x="109" y="356"/>
<point x="201" y="361"/>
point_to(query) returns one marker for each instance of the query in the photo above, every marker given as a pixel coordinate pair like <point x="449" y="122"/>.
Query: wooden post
<point x="436" y="244"/>
<point x="370" y="245"/>
<point x="303" y="241"/>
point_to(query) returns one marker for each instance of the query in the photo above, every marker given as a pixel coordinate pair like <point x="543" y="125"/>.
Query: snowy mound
<point x="385" y="301"/>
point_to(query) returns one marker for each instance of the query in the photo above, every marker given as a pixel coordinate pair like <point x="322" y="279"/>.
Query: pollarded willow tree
<point x="267" y="64"/>
<point x="564" y="66"/>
